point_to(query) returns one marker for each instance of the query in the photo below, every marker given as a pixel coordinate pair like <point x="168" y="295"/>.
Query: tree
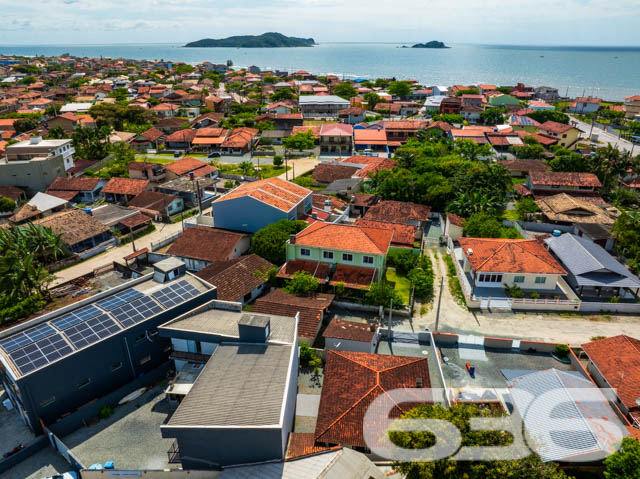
<point x="626" y="229"/>
<point x="399" y="88"/>
<point x="345" y="90"/>
<point x="184" y="68"/>
<point x="625" y="462"/>
<point x="115" y="115"/>
<point x="471" y="151"/>
<point x="493" y="116"/>
<point x="270" y="242"/>
<point x="372" y="99"/>
<point x="265" y="125"/>
<point x="25" y="124"/>
<point x="482" y="225"/>
<point x="284" y="93"/>
<point x="7" y="205"/>
<point x="529" y="152"/>
<point x="526" y="207"/>
<point x="91" y="143"/>
<point x="28" y="80"/>
<point x="422" y="280"/>
<point x="304" y="181"/>
<point x="460" y="414"/>
<point x="549" y="115"/>
<point x="300" y="141"/>
<point x="381" y="294"/>
<point x="302" y="284"/>
<point x="57" y="133"/>
<point x="277" y="161"/>
<point x="246" y="167"/>
<point x="467" y="91"/>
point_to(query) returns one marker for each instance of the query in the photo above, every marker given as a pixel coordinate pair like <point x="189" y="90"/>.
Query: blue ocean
<point x="611" y="73"/>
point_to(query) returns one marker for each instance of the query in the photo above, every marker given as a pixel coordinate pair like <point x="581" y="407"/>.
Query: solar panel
<point x="91" y="331"/>
<point x="135" y="311"/>
<point x="27" y="337"/>
<point x="119" y="299"/>
<point x="176" y="293"/>
<point x="39" y="353"/>
<point x="76" y="317"/>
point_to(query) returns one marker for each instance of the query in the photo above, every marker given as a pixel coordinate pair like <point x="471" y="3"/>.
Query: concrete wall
<point x="348" y="345"/>
<point x="289" y="406"/>
<point x="630" y="308"/>
<point x="37" y="445"/>
<point x="445" y="338"/>
<point x="537" y="346"/>
<point x="498" y="343"/>
<point x="33" y="176"/>
<point x="244" y="214"/>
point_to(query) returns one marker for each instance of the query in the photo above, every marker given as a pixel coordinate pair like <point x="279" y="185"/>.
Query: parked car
<point x="214" y="154"/>
<point x="64" y="475"/>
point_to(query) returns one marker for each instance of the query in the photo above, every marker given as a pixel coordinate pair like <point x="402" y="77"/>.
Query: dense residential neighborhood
<point x="208" y="269"/>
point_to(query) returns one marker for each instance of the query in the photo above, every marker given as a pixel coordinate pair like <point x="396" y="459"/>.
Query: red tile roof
<point x="497" y="255"/>
<point x="345" y="238"/>
<point x="206" y="243"/>
<point x="336" y="129"/>
<point x="125" y="186"/>
<point x="522" y="190"/>
<point x="351" y="330"/>
<point x="555" y="127"/>
<point x="302" y="444"/>
<point x="370" y="136"/>
<point x="318" y="201"/>
<point x="135" y="221"/>
<point x="317" y="269"/>
<point x="187" y="164"/>
<point x="356" y="277"/>
<point x="633" y="98"/>
<point x="562" y="178"/>
<point x="328" y="172"/>
<point x="352" y="380"/>
<point x="403" y="235"/>
<point x="618" y="360"/>
<point x="153" y="201"/>
<point x="181" y="136"/>
<point x="524" y="165"/>
<point x="455" y="219"/>
<point x="398" y="212"/>
<point x="74" y="184"/>
<point x="12" y="192"/>
<point x="275" y="192"/>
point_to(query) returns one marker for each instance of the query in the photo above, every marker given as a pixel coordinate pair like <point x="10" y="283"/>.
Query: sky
<point x="511" y="22"/>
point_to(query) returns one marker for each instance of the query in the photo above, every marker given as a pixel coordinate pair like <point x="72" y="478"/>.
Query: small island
<point x="266" y="40"/>
<point x="431" y="44"/>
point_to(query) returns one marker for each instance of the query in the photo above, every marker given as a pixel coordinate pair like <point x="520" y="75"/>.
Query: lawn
<point x="511" y="215"/>
<point x="402" y="284"/>
<point x="518" y="181"/>
<point x="530" y="129"/>
<point x="266" y="171"/>
<point x="163" y="160"/>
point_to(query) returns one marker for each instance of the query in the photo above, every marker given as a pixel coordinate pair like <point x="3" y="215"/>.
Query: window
<point x="116" y="366"/>
<point x="84" y="383"/>
<point x="518" y="279"/>
<point x="490" y="278"/>
<point x="541" y="279"/>
<point x="145" y="359"/>
<point x="367" y="259"/>
<point x="47" y="402"/>
<point x="327" y="254"/>
<point x="305" y="252"/>
<point x="347" y="257"/>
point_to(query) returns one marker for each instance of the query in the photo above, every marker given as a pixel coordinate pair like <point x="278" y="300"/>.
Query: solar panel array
<point x="40" y="352"/>
<point x="135" y="311"/>
<point x="76" y="317"/>
<point x="91" y="331"/>
<point x="28" y="337"/>
<point x="175" y="294"/>
<point x="119" y="299"/>
<point x="43" y="344"/>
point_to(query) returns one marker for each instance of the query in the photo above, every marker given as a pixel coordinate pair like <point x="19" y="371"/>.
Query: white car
<point x="64" y="475"/>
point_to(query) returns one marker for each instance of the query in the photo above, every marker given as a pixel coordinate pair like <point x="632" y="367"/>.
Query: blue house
<point x="254" y="205"/>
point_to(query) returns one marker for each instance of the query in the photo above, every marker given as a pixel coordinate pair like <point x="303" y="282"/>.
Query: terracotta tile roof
<point x="141" y="165"/>
<point x="564" y="179"/>
<point x="187" y="164"/>
<point x="346" y="238"/>
<point x="522" y="190"/>
<point x="337" y="205"/>
<point x="236" y="277"/>
<point x="633" y="98"/>
<point x="354" y="331"/>
<point x="206" y="243"/>
<point x="303" y="129"/>
<point x="275" y="192"/>
<point x="403" y="125"/>
<point x="357" y="277"/>
<point x="135" y="221"/>
<point x="328" y="172"/>
<point x="12" y="192"/>
<point x="73" y="225"/>
<point x="398" y="212"/>
<point x="455" y="219"/>
<point x="497" y="255"/>
<point x="336" y="129"/>
<point x="240" y="138"/>
<point x="311" y="309"/>
<point x="364" y="199"/>
<point x="181" y="136"/>
<point x="570" y="209"/>
<point x="63" y="194"/>
<point x="74" y="184"/>
<point x="555" y="127"/>
<point x="152" y="200"/>
<point x="403" y="235"/>
<point x="302" y="444"/>
<point x="354" y="110"/>
<point x="352" y="380"/>
<point x="370" y="136"/>
<point x="618" y="359"/>
<point x="125" y="186"/>
<point x="317" y="269"/>
<point x="376" y="165"/>
<point x="524" y="165"/>
<point x="152" y="134"/>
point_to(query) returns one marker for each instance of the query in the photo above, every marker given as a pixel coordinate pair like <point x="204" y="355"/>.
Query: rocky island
<point x="266" y="40"/>
<point x="431" y="44"/>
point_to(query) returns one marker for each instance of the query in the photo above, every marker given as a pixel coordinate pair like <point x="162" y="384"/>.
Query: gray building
<point x="240" y="409"/>
<point x="34" y="164"/>
<point x="322" y="106"/>
<point x="53" y="365"/>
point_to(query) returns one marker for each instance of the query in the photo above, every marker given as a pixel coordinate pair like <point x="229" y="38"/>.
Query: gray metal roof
<point x="589" y="263"/>
<point x="110" y="214"/>
<point x="241" y="385"/>
<point x="554" y="442"/>
<point x="322" y="100"/>
<point x="45" y="202"/>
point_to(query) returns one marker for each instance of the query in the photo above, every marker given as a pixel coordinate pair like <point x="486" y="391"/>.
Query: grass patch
<point x="455" y="288"/>
<point x="163" y="160"/>
<point x="185" y="214"/>
<point x="511" y="215"/>
<point x="401" y="284"/>
<point x="518" y="181"/>
<point x="530" y="129"/>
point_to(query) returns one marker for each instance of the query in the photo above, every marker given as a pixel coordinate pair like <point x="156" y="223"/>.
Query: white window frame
<point x="518" y="279"/>
<point x="541" y="279"/>
<point x="305" y="252"/>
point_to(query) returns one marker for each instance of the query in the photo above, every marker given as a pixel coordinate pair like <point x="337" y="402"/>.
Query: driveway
<point x="605" y="137"/>
<point x="116" y="254"/>
<point x="571" y="328"/>
<point x="300" y="166"/>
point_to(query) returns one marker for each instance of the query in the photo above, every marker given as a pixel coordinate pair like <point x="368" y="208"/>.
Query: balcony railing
<point x="193" y="357"/>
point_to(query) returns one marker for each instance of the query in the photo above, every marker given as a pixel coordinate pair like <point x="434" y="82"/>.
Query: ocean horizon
<point x="608" y="72"/>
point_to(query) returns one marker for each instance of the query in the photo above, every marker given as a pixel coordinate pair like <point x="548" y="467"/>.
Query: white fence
<point x="165" y="241"/>
<point x="631" y="308"/>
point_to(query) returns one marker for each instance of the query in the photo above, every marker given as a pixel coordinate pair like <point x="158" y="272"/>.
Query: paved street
<point x="574" y="329"/>
<point x="606" y="137"/>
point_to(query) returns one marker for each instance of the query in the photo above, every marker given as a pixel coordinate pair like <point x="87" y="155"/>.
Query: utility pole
<point x="390" y="312"/>
<point x="286" y="165"/>
<point x="439" y="301"/>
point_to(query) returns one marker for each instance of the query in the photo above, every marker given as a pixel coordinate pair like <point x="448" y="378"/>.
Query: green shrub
<point x="277" y="160"/>
<point x="106" y="412"/>
<point x="403" y="260"/>
<point x="513" y="291"/>
<point x="562" y="350"/>
<point x="535" y="295"/>
<point x="12" y="311"/>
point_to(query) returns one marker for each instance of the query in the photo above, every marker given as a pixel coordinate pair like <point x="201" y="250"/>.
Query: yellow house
<point x="566" y="135"/>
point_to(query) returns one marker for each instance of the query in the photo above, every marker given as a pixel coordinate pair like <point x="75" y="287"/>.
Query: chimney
<point x="327" y="206"/>
<point x="292" y="239"/>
